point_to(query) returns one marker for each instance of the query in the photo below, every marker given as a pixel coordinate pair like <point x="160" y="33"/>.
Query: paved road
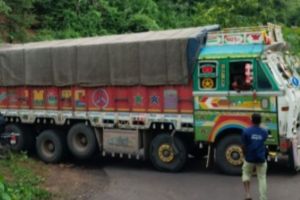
<point x="122" y="179"/>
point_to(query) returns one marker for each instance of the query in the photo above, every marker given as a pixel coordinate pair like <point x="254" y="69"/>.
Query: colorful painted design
<point x="235" y="38"/>
<point x="100" y="98"/>
<point x="214" y="39"/>
<point x="24" y="98"/>
<point x="206" y="102"/>
<point x="138" y="99"/>
<point x="236" y="102"/>
<point x="207" y="83"/>
<point x="52" y="98"/>
<point x="170" y="100"/>
<point x="254" y="38"/>
<point x="38" y="97"/>
<point x="223" y="75"/>
<point x="79" y="97"/>
<point x="66" y="99"/>
<point x="154" y="100"/>
<point x="209" y="124"/>
<point x="223" y="122"/>
<point x="207" y="69"/>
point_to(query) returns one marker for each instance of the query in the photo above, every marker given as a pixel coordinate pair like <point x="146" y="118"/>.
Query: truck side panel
<point x="162" y="99"/>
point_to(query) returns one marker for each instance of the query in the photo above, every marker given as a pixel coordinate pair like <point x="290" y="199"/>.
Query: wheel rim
<point x="234" y="155"/>
<point x="81" y="141"/>
<point x="166" y="153"/>
<point x="48" y="148"/>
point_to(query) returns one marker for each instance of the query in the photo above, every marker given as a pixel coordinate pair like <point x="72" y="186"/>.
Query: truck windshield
<point x="293" y="65"/>
<point x="272" y="62"/>
<point x="283" y="70"/>
<point x="263" y="82"/>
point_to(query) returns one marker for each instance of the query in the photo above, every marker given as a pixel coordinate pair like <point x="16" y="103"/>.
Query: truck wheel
<point x="82" y="141"/>
<point x="25" y="140"/>
<point x="163" y="155"/>
<point x="50" y="146"/>
<point x="229" y="155"/>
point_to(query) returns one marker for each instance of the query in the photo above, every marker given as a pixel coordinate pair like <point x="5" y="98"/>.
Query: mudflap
<point x="296" y="152"/>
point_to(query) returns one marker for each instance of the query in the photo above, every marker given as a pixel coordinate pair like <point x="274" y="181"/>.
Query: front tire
<point x="229" y="155"/>
<point x="164" y="156"/>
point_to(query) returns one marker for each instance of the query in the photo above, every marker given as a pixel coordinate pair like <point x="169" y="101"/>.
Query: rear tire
<point x="229" y="155"/>
<point x="82" y="141"/>
<point x="50" y="145"/>
<point x="163" y="155"/>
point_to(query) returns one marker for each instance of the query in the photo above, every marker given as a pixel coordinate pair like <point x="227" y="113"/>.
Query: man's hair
<point x="256" y="118"/>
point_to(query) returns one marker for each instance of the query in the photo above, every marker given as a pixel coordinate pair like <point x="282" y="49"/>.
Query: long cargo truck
<point x="156" y="95"/>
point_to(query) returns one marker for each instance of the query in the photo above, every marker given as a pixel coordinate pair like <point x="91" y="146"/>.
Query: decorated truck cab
<point x="239" y="72"/>
<point x="159" y="95"/>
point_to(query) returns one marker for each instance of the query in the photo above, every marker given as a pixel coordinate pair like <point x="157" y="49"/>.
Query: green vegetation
<point x="18" y="181"/>
<point x="292" y="35"/>
<point x="32" y="20"/>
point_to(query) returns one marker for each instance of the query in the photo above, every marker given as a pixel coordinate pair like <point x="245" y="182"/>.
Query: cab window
<point x="263" y="82"/>
<point x="241" y="75"/>
<point x="207" y="75"/>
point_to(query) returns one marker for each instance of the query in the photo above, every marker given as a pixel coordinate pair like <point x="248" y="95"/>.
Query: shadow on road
<point x="193" y="165"/>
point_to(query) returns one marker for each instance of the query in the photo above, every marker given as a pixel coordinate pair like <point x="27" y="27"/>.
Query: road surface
<point x="123" y="179"/>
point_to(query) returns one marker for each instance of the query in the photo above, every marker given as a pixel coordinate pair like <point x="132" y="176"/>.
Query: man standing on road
<point x="253" y="139"/>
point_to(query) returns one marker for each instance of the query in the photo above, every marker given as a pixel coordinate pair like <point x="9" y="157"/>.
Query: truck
<point x="160" y="96"/>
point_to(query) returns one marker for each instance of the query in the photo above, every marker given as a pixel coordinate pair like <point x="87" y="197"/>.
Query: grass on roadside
<point x="18" y="180"/>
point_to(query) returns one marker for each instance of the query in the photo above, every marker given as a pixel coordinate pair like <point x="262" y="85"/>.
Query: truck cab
<point x="239" y="72"/>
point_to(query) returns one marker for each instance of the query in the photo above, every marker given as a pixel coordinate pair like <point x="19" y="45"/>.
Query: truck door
<point x="267" y="92"/>
<point x="253" y="89"/>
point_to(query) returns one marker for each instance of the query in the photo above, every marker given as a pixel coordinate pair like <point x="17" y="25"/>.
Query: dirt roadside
<point x="72" y="181"/>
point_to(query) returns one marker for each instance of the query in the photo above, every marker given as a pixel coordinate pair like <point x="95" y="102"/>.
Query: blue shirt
<point x="253" y="139"/>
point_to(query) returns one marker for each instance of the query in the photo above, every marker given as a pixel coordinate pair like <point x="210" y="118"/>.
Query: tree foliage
<point x="23" y="20"/>
<point x="16" y="19"/>
<point x="232" y="13"/>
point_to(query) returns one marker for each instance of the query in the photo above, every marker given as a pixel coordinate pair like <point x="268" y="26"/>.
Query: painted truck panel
<point x="162" y="99"/>
<point x="210" y="124"/>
